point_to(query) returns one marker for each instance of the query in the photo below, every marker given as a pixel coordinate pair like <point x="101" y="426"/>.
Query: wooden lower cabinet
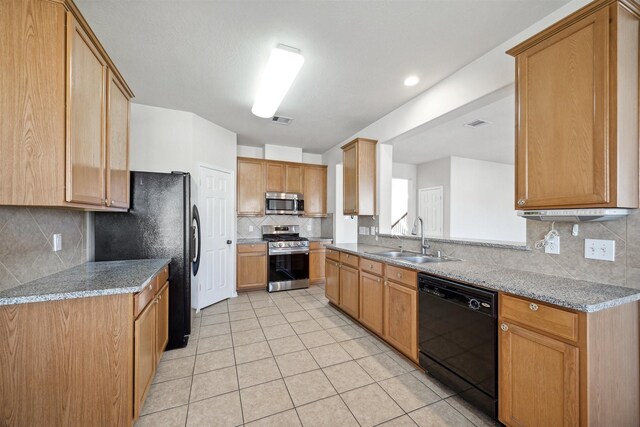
<point x="332" y="281"/>
<point x="317" y="255"/>
<point x="539" y="379"/>
<point x="151" y="334"/>
<point x="145" y="354"/>
<point x="251" y="267"/>
<point x="349" y="290"/>
<point x="163" y="321"/>
<point x="372" y="302"/>
<point x="401" y="318"/>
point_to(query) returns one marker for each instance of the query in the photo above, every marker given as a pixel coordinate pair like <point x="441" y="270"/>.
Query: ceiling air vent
<point x="477" y="123"/>
<point x="281" y="120"/>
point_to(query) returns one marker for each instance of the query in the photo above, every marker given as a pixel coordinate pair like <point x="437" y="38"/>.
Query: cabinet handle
<point x="504" y="327"/>
<point x="371" y="266"/>
<point x="521" y="202"/>
<point x="399" y="275"/>
<point x="533" y="307"/>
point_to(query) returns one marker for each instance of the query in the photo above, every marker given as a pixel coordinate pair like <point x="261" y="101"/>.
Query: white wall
<point x="283" y="153"/>
<point x="482" y="201"/>
<point x="160" y="139"/>
<point x="433" y="174"/>
<point x="248" y="151"/>
<point x="384" y="174"/>
<point x="315" y="159"/>
<point x="410" y="173"/>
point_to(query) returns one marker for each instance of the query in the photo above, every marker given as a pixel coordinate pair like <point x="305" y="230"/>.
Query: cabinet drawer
<point x="142" y="298"/>
<point x="402" y="275"/>
<point x="333" y="254"/>
<point x="316" y="245"/>
<point x="548" y="319"/>
<point x="163" y="276"/>
<point x="372" y="267"/>
<point x="252" y="247"/>
<point x="348" y="259"/>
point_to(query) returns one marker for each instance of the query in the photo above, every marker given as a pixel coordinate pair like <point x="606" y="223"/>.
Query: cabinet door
<point x="332" y="284"/>
<point x="562" y="144"/>
<point x="294" y="175"/>
<point x="372" y="302"/>
<point x="252" y="270"/>
<point x="349" y="290"/>
<point x="162" y="337"/>
<point x="401" y="318"/>
<point x="250" y="187"/>
<point x="538" y="379"/>
<point x="350" y="179"/>
<point x="315" y="191"/>
<point x="275" y="177"/>
<point x="144" y="355"/>
<point x="86" y="78"/>
<point x="117" y="144"/>
<point x="317" y="265"/>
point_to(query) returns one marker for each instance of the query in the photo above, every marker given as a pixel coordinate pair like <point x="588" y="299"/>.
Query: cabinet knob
<point x="399" y="275"/>
<point x="371" y="266"/>
<point x="504" y="327"/>
<point x="533" y="307"/>
<point x="378" y="280"/>
<point x="521" y="202"/>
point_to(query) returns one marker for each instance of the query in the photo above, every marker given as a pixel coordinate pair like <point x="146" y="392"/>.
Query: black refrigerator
<point x="158" y="225"/>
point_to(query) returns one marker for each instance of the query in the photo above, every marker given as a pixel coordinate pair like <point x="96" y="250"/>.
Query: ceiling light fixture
<point x="282" y="68"/>
<point x="411" y="81"/>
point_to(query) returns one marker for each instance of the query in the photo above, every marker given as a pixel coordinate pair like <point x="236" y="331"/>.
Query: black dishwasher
<point x="458" y="339"/>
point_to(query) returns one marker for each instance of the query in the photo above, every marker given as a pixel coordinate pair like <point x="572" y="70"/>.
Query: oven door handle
<point x="283" y="251"/>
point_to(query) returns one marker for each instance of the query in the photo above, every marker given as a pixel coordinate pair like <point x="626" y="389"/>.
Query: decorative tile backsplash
<point x="624" y="271"/>
<point x="26" y="251"/>
<point x="245" y="224"/>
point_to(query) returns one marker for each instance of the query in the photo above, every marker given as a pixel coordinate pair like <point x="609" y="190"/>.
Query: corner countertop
<point x="579" y="295"/>
<point x="87" y="280"/>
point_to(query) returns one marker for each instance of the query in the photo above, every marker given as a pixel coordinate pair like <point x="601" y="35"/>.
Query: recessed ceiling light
<point x="411" y="81"/>
<point x="282" y="68"/>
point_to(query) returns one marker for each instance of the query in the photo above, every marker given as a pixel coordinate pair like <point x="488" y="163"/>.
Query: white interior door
<point x="216" y="219"/>
<point x="431" y="210"/>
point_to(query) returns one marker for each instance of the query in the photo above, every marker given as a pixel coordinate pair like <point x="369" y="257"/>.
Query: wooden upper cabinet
<point x="315" y="190"/>
<point x="86" y="107"/>
<point x="359" y="177"/>
<point x="275" y="177"/>
<point x="577" y="111"/>
<point x="117" y="144"/>
<point x="294" y="175"/>
<point x="55" y="113"/>
<point x="251" y="187"/>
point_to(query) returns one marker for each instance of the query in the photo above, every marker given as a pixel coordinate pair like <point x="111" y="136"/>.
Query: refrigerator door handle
<point x="195" y="239"/>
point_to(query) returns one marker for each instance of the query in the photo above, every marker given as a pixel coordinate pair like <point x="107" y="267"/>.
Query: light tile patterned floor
<point x="290" y="359"/>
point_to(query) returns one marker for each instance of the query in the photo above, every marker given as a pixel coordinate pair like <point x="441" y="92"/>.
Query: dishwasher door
<point x="458" y="338"/>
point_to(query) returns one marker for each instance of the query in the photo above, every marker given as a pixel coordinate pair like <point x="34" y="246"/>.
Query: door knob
<point x="229" y="242"/>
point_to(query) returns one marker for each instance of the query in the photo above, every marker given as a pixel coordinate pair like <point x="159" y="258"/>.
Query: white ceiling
<point x="207" y="56"/>
<point x="494" y="142"/>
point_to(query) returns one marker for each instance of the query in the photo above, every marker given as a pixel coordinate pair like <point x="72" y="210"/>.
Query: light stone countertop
<point x="259" y="240"/>
<point x="87" y="280"/>
<point x="579" y="295"/>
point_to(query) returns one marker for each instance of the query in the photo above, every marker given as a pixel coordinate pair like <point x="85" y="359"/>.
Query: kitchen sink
<point x="414" y="257"/>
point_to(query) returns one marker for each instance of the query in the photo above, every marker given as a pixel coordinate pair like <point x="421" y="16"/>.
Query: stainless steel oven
<point x="288" y="257"/>
<point x="284" y="204"/>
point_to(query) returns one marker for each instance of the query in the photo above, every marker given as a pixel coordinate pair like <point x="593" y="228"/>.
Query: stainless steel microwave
<point x="284" y="204"/>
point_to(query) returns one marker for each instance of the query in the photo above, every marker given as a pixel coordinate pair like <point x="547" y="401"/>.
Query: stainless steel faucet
<point x="399" y="239"/>
<point x="424" y="245"/>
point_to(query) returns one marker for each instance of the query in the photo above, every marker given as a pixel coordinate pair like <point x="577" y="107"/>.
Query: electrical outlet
<point x="250" y="228"/>
<point x="308" y="227"/>
<point x="373" y="230"/>
<point x="57" y="242"/>
<point x="364" y="231"/>
<point x="553" y="246"/>
<point x="600" y="249"/>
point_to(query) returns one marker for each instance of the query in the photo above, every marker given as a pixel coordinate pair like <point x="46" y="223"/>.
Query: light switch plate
<point x="604" y="250"/>
<point x="57" y="242"/>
